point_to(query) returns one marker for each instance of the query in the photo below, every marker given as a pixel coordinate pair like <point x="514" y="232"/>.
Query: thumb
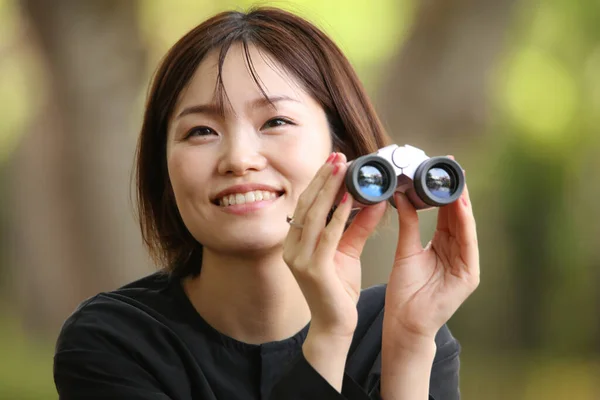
<point x="354" y="239"/>
<point x="409" y="236"/>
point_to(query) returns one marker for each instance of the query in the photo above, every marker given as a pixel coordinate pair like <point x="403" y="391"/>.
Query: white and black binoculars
<point x="426" y="181"/>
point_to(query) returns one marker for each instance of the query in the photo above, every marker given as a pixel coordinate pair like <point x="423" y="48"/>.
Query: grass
<point x="26" y="366"/>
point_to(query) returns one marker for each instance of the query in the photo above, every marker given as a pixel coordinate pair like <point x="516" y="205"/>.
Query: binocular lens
<point x="440" y="183"/>
<point x="372" y="181"/>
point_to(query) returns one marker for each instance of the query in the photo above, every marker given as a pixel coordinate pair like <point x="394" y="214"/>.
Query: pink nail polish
<point x="336" y="169"/>
<point x="344" y="198"/>
<point x="330" y="158"/>
<point x="464" y="201"/>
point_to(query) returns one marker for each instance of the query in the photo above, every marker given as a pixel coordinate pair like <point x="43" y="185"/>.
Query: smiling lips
<point x="248" y="197"/>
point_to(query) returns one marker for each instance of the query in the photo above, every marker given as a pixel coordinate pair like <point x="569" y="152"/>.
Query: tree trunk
<point x="75" y="229"/>
<point x="435" y="93"/>
<point x="436" y="90"/>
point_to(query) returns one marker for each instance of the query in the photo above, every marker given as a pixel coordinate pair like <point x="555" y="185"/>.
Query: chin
<point x="250" y="240"/>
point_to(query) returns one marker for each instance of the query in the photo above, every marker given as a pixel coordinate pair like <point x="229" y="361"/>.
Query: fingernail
<point x="335" y="169"/>
<point x="464" y="201"/>
<point x="330" y="158"/>
<point x="335" y="157"/>
<point x="451" y="157"/>
<point x="344" y="198"/>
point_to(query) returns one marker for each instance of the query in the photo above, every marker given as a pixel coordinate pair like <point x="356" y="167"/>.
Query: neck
<point x="251" y="299"/>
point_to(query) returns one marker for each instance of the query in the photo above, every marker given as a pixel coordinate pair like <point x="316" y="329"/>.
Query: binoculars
<point x="426" y="181"/>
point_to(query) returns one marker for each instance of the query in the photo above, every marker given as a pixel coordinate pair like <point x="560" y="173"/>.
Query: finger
<point x="316" y="217"/>
<point x="331" y="234"/>
<point x="466" y="233"/>
<point x="443" y="218"/>
<point x="307" y="198"/>
<point x="355" y="237"/>
<point x="409" y="236"/>
<point x="447" y="216"/>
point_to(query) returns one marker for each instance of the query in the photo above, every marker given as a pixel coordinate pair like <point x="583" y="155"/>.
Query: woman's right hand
<point x="324" y="259"/>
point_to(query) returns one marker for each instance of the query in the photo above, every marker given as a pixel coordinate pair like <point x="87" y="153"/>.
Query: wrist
<point x="327" y="354"/>
<point x="409" y="343"/>
<point x="327" y="341"/>
<point x="396" y="350"/>
<point x="327" y="331"/>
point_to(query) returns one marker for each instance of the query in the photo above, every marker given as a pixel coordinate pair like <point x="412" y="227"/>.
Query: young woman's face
<point x="236" y="177"/>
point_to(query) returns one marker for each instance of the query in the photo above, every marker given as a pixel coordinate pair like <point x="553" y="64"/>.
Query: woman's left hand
<point x="427" y="285"/>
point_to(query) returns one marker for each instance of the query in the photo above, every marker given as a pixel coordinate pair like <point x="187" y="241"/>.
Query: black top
<point x="147" y="341"/>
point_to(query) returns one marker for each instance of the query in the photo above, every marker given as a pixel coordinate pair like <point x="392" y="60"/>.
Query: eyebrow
<point x="213" y="109"/>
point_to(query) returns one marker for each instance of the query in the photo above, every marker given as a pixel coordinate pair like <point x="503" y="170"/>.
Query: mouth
<point x="249" y="197"/>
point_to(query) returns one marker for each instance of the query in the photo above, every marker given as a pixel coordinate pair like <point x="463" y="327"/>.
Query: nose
<point x="240" y="155"/>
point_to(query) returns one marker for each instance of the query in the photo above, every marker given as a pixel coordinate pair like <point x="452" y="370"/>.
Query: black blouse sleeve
<point x="302" y="382"/>
<point x="364" y="366"/>
<point x="444" y="383"/>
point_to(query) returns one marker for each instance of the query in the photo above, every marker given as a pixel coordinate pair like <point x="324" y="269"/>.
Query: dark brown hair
<point x="303" y="51"/>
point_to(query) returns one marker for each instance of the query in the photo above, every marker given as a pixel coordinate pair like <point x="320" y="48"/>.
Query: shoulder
<point x="122" y="344"/>
<point x="112" y="318"/>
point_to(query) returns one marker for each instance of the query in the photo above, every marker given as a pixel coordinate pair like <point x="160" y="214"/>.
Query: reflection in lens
<point x="372" y="181"/>
<point x="439" y="183"/>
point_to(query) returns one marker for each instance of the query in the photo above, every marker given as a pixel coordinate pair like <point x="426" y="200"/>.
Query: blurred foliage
<point x="367" y="32"/>
<point x="12" y="80"/>
<point x="532" y="329"/>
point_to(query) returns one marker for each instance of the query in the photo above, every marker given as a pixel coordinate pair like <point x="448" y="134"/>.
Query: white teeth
<point x="250" y="197"/>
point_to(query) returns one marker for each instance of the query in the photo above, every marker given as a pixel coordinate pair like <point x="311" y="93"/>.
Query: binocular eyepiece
<point x="427" y="182"/>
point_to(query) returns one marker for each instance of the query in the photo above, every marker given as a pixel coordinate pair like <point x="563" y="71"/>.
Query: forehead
<point x="241" y="75"/>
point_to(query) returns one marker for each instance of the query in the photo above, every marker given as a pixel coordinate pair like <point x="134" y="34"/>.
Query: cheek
<point x="187" y="175"/>
<point x="301" y="162"/>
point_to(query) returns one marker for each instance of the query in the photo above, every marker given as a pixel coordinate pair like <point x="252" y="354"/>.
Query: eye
<point x="276" y="122"/>
<point x="200" y="131"/>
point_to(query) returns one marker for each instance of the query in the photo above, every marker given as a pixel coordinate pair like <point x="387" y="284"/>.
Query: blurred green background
<point x="511" y="88"/>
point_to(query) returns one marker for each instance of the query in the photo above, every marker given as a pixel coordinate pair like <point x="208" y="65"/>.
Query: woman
<point x="251" y="119"/>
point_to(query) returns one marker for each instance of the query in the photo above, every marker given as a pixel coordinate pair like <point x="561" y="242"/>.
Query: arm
<point x="318" y="372"/>
<point x="406" y="370"/>
<point x="429" y="368"/>
<point x="426" y="287"/>
<point x="324" y="258"/>
<point x="327" y="355"/>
